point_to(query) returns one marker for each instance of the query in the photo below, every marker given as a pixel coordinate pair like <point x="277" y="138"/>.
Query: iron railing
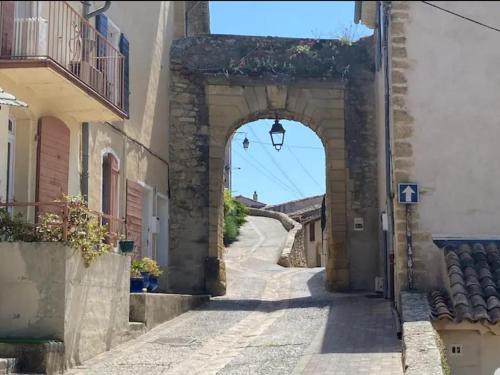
<point x="55" y="31"/>
<point x="115" y="225"/>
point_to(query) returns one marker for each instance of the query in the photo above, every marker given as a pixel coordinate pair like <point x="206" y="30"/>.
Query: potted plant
<point x="136" y="279"/>
<point x="154" y="272"/>
<point x="126" y="246"/>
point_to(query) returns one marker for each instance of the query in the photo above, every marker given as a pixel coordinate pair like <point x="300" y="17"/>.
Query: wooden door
<point x="52" y="162"/>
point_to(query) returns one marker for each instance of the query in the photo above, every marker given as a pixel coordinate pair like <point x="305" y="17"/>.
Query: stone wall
<point x="85" y="307"/>
<point x="233" y="80"/>
<point x="293" y="253"/>
<point x="361" y="147"/>
<point x="421" y="352"/>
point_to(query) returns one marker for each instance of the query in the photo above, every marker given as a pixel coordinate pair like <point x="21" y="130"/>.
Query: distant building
<point x="307" y="211"/>
<point x="253" y="203"/>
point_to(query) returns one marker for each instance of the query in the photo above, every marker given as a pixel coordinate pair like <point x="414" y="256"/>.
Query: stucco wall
<point x="314" y="249"/>
<point x="444" y="85"/>
<point x="87" y="308"/>
<point x="479" y="355"/>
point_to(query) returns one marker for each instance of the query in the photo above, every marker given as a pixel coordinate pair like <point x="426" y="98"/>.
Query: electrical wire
<point x="266" y="174"/>
<point x="461" y="16"/>
<point x="303" y="168"/>
<point x="277" y="165"/>
<point x="273" y="175"/>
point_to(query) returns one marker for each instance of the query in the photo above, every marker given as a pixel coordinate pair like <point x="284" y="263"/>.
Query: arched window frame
<point x="114" y="209"/>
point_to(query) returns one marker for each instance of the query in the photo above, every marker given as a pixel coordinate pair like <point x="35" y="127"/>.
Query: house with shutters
<point x="95" y="76"/>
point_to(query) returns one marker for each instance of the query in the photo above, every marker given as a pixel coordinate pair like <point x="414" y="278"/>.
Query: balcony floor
<point x="53" y="90"/>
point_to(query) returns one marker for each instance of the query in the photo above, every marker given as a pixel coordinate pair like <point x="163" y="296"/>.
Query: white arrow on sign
<point x="408" y="192"/>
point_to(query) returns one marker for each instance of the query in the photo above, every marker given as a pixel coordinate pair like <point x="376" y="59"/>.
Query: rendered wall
<point x="87" y="308"/>
<point x="444" y="94"/>
<point x="479" y="352"/>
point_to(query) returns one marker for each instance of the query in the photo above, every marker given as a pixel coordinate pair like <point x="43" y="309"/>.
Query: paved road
<point x="273" y="320"/>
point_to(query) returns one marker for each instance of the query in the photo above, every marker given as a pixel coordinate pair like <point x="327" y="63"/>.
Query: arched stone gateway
<point x="220" y="82"/>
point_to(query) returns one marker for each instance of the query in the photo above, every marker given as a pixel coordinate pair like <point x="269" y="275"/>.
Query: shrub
<point x="84" y="231"/>
<point x="150" y="265"/>
<point x="14" y="228"/>
<point x="234" y="217"/>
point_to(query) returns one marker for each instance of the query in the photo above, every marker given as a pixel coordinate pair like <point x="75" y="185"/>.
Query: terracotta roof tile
<point x="474" y="278"/>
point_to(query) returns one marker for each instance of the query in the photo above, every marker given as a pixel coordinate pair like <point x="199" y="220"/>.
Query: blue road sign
<point x="408" y="193"/>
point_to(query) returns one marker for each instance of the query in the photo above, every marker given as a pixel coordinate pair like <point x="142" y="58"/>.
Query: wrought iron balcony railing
<point x="54" y="31"/>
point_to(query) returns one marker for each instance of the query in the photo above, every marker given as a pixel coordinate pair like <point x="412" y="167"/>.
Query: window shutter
<point x="7" y="27"/>
<point x="134" y="215"/>
<point x="101" y="24"/>
<point x="52" y="162"/>
<point x="113" y="187"/>
<point x="124" y="49"/>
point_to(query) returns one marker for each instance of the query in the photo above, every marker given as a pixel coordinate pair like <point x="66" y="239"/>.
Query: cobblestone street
<point x="273" y="320"/>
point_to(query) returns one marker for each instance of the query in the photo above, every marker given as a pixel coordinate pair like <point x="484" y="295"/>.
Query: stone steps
<point x="33" y="356"/>
<point x="7" y="365"/>
<point x="136" y="329"/>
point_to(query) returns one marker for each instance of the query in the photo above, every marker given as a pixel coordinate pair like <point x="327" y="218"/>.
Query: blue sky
<point x="298" y="170"/>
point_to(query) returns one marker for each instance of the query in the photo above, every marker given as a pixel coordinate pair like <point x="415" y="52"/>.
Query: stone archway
<point x="221" y="82"/>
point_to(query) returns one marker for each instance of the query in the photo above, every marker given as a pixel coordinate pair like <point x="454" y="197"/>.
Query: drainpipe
<point x="84" y="179"/>
<point x="388" y="152"/>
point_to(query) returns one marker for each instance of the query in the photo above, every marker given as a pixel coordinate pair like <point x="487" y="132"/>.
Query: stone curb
<point x="289" y="224"/>
<point x="421" y="354"/>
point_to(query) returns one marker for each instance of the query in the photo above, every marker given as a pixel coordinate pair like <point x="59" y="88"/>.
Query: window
<point x="11" y="138"/>
<point x="312" y="232"/>
<point x="110" y="171"/>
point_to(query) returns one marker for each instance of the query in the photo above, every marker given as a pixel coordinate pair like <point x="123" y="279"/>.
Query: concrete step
<point x="135" y="329"/>
<point x="155" y="308"/>
<point x="7" y="365"/>
<point x="34" y="355"/>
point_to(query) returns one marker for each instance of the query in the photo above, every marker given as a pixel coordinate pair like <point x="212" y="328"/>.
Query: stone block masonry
<point x="220" y="82"/>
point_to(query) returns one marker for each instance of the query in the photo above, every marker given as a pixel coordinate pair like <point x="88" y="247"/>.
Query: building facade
<point x="437" y="125"/>
<point x="95" y="76"/>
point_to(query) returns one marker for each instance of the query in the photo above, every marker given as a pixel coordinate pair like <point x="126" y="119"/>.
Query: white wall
<point x="454" y="97"/>
<point x="4" y="119"/>
<point x="480" y="354"/>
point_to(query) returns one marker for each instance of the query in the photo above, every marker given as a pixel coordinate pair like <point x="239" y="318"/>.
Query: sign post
<point x="408" y="195"/>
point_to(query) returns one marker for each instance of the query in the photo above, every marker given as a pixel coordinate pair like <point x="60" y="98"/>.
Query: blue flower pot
<point x="136" y="284"/>
<point x="153" y="283"/>
<point x="145" y="277"/>
<point x="126" y="246"/>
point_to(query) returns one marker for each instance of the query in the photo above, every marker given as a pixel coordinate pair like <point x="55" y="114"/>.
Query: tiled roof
<point x="249" y="202"/>
<point x="474" y="284"/>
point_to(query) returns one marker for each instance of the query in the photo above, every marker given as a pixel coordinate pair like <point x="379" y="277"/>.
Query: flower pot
<point x="145" y="278"/>
<point x="126" y="246"/>
<point x="153" y="283"/>
<point x="136" y="284"/>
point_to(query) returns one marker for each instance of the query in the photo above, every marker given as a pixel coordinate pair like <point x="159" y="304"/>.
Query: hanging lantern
<point x="277" y="133"/>
<point x="246" y="143"/>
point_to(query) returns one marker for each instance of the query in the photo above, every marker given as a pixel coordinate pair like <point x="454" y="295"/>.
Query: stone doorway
<point x="219" y="83"/>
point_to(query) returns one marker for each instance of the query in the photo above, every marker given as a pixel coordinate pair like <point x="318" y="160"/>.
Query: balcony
<point x="55" y="60"/>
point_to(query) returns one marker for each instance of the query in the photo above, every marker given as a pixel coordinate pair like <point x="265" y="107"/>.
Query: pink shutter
<point x="52" y="162"/>
<point x="7" y="24"/>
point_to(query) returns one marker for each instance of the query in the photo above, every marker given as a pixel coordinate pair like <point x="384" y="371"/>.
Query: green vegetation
<point x="84" y="230"/>
<point x="144" y="265"/>
<point x="234" y="217"/>
<point x="84" y="233"/>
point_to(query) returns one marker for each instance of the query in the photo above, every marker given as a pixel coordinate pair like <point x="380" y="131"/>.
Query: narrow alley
<point x="273" y="320"/>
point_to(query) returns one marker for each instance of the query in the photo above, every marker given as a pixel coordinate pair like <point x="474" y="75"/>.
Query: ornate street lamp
<point x="277" y="134"/>
<point x="246" y="143"/>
